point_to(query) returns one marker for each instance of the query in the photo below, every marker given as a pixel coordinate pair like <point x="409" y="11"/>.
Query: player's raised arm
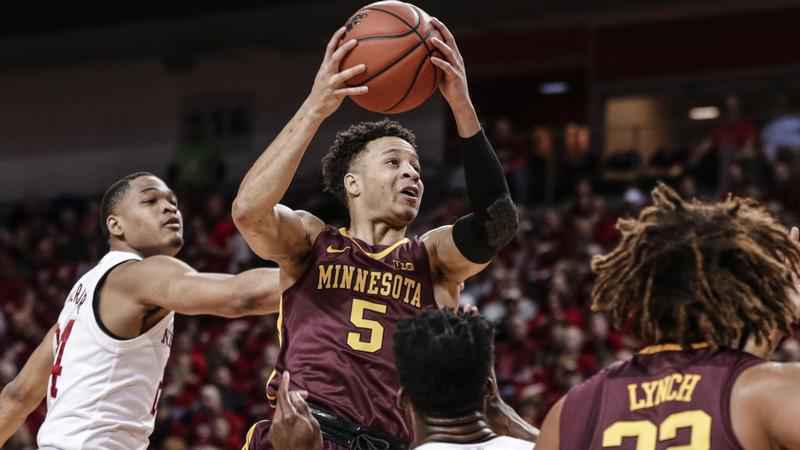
<point x="272" y="230"/>
<point x="463" y="249"/>
<point x="24" y="393"/>
<point x="174" y="285"/>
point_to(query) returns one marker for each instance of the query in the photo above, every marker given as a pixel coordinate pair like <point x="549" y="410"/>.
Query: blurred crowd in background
<point x="537" y="291"/>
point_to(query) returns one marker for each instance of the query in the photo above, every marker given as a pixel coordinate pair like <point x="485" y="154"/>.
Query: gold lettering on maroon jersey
<point x="373" y="282"/>
<point x="397" y="285"/>
<point x="361" y="280"/>
<point x="409" y="283"/>
<point x="386" y="284"/>
<point x="337" y="268"/>
<point x="417" y="297"/>
<point x="673" y="387"/>
<point x="687" y="388"/>
<point x="324" y="277"/>
<point x="390" y="285"/>
<point x="635" y="402"/>
<point x="347" y="277"/>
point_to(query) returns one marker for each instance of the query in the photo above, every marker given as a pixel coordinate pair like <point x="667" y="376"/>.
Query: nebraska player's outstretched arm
<point x="272" y="230"/>
<point x="175" y="286"/>
<point x="24" y="393"/>
<point x="461" y="250"/>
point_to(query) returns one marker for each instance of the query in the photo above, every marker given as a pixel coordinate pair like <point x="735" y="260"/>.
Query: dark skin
<point x="764" y="403"/>
<point x="295" y="428"/>
<point x="146" y="222"/>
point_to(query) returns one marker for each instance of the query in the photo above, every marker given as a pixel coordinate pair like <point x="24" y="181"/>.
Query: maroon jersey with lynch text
<point x="338" y="322"/>
<point x="663" y="398"/>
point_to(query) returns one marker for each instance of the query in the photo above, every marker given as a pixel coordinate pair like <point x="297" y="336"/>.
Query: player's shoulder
<point x="767" y="377"/>
<point x="435" y="233"/>
<point x="591" y="389"/>
<point x="155" y="264"/>
<point x="768" y="383"/>
<point x="312" y="224"/>
<point x="129" y="275"/>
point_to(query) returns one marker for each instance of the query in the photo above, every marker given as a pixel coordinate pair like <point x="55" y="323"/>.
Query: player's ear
<point x="352" y="184"/>
<point x="114" y="226"/>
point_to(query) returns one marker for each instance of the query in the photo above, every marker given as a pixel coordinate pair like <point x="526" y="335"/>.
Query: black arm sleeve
<point x="494" y="220"/>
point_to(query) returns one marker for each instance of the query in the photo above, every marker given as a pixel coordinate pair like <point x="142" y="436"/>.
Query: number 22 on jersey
<point x="647" y="434"/>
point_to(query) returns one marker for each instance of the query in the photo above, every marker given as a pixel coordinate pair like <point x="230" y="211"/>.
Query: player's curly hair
<point x="689" y="271"/>
<point x="443" y="361"/>
<point x="349" y="144"/>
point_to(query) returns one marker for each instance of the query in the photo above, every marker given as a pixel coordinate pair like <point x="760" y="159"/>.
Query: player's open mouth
<point x="411" y="192"/>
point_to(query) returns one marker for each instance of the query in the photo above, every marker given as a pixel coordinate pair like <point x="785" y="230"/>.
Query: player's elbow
<point x="243" y="213"/>
<point x="502" y="222"/>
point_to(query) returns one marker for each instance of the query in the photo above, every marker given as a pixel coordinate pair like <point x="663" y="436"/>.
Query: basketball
<point x="394" y="43"/>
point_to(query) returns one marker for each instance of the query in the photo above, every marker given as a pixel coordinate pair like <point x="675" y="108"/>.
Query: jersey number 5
<point x="646" y="432"/>
<point x="61" y="342"/>
<point x="375" y="341"/>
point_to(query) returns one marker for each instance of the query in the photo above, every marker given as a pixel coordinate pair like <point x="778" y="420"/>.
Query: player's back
<point x="103" y="390"/>
<point x="338" y="321"/>
<point x="663" y="398"/>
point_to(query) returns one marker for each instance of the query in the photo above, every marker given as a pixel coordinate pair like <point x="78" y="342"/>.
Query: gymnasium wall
<point x="74" y="129"/>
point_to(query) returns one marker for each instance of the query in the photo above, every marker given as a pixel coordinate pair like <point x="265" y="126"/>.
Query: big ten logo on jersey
<point x="407" y="266"/>
<point x="78" y="296"/>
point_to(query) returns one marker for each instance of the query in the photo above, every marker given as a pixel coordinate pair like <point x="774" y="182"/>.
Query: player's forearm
<point x="466" y="118"/>
<point x="13" y="412"/>
<point x="494" y="221"/>
<point x="268" y="179"/>
<point x="259" y="292"/>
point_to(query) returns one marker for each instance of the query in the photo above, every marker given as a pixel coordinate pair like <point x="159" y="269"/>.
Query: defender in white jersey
<point x="100" y="367"/>
<point x="444" y="361"/>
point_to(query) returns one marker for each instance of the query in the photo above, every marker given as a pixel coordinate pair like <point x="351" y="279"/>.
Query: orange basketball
<point x="394" y="43"/>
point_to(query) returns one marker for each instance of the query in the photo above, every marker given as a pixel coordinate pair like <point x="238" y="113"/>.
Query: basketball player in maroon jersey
<point x="345" y="290"/>
<point x="710" y="288"/>
<point x="431" y="349"/>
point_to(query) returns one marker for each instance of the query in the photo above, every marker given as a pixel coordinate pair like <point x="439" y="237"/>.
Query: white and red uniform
<point x="103" y="391"/>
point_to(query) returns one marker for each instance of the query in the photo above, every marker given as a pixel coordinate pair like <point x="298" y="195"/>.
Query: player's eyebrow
<point x="389" y="151"/>
<point x="155" y="188"/>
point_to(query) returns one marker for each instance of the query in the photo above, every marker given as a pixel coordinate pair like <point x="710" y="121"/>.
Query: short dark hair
<point x="113" y="195"/>
<point x="691" y="271"/>
<point x="349" y="144"/>
<point x="444" y="360"/>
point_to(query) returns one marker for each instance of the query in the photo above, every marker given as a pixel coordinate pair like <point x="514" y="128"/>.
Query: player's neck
<point x="467" y="429"/>
<point x="119" y="246"/>
<point x="375" y="232"/>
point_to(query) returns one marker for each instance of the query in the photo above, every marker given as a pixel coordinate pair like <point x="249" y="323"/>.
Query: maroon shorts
<point x="257" y="438"/>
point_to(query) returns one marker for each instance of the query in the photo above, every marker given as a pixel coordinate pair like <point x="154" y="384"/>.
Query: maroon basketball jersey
<point x="338" y="323"/>
<point x="663" y="398"/>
